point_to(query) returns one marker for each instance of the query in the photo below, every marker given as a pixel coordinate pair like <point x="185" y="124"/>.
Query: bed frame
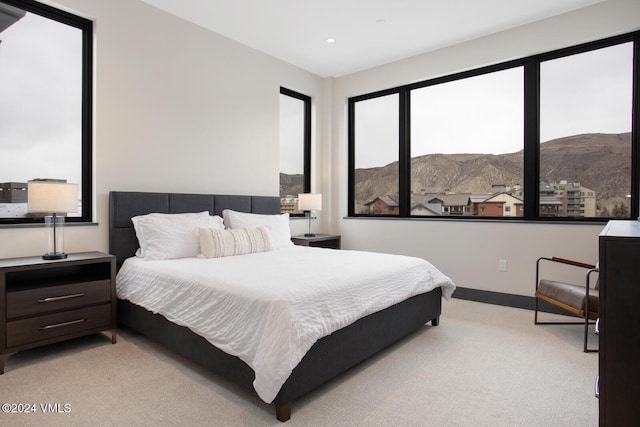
<point x="327" y="358"/>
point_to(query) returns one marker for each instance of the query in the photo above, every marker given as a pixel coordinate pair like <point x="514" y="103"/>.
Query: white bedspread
<point x="269" y="308"/>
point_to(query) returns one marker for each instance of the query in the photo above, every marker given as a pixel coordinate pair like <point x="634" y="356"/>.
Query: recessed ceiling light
<point x="331" y="40"/>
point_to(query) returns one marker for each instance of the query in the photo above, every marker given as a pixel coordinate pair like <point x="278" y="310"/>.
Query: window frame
<point x="86" y="26"/>
<point x="306" y="99"/>
<point x="531" y="144"/>
<point x="403" y="146"/>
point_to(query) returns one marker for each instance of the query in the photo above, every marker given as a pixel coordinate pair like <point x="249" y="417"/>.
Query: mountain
<point x="291" y="185"/>
<point x="600" y="162"/>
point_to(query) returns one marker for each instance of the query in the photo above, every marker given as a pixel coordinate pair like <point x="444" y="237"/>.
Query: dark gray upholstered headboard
<point x="123" y="205"/>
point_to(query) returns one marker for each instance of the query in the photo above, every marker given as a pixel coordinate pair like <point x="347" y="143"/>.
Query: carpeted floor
<point x="484" y="365"/>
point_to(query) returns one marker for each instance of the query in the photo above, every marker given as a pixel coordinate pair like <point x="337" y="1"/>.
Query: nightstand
<point x="331" y="241"/>
<point x="42" y="302"/>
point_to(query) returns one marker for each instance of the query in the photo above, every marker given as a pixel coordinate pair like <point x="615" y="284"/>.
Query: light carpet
<point x="484" y="365"/>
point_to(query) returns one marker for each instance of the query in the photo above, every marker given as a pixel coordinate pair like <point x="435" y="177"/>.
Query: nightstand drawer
<point x="47" y="299"/>
<point x="40" y="328"/>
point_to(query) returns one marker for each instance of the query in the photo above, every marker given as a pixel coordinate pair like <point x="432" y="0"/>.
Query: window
<point x="474" y="161"/>
<point x="295" y="149"/>
<point x="585" y="102"/>
<point x="45" y="105"/>
<point x="536" y="134"/>
<point x="375" y="136"/>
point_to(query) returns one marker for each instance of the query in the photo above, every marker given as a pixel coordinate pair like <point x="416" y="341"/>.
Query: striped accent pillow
<point x="215" y="243"/>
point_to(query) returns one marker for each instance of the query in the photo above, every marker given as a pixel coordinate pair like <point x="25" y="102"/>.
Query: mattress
<point x="269" y="308"/>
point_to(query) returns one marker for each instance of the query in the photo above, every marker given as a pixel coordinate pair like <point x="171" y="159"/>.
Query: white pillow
<point x="170" y="236"/>
<point x="216" y="243"/>
<point x="278" y="224"/>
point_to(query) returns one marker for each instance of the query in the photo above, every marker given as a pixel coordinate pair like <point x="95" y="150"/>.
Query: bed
<point x="326" y="358"/>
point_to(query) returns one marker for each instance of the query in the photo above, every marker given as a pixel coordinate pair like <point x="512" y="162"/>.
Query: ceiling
<point x="367" y="33"/>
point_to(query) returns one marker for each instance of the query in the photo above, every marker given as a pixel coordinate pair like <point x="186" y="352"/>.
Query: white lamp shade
<point x="52" y="197"/>
<point x="310" y="202"/>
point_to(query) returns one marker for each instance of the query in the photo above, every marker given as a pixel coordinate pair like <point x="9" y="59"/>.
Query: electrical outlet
<point x="502" y="265"/>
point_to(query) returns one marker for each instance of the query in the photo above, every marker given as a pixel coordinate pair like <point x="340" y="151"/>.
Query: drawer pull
<point x="51" y="299"/>
<point x="58" y="325"/>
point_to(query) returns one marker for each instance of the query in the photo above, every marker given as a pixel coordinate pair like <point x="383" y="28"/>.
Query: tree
<point x="620" y="211"/>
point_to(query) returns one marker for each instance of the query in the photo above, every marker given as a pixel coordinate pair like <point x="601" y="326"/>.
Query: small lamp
<point x="308" y="202"/>
<point x="54" y="198"/>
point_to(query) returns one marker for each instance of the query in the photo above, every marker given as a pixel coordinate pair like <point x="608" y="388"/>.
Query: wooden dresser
<point x="43" y="302"/>
<point x="619" y="357"/>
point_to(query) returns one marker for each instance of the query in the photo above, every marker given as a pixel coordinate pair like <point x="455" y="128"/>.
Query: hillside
<point x="291" y="184"/>
<point x="598" y="161"/>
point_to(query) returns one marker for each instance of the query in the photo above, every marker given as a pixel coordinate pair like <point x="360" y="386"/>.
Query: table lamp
<point x="308" y="202"/>
<point x="53" y="199"/>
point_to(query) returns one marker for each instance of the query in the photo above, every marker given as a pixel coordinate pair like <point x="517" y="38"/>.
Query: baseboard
<point x="508" y="300"/>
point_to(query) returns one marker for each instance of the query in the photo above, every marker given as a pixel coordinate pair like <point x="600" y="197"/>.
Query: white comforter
<point x="269" y="308"/>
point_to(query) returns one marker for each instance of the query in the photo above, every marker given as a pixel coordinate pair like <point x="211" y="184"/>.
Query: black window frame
<point x="86" y="26"/>
<point x="531" y="146"/>
<point x="306" y="99"/>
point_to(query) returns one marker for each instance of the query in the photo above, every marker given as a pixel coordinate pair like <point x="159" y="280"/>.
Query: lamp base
<point x="309" y="235"/>
<point x="55" y="246"/>
<point x="59" y="255"/>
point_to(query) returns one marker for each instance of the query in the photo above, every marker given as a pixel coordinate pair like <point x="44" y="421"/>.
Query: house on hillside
<point x="382" y="205"/>
<point x="289" y="204"/>
<point x="549" y="204"/>
<point x="588" y="202"/>
<point x="500" y="204"/>
<point x="449" y="203"/>
<point x="555" y="199"/>
<point x="426" y="209"/>
<point x="567" y="199"/>
<point x="431" y="204"/>
<point x="577" y="201"/>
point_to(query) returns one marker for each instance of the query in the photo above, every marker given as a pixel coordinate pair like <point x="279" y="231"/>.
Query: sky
<point x="291" y="135"/>
<point x="40" y="100"/>
<point x="585" y="93"/>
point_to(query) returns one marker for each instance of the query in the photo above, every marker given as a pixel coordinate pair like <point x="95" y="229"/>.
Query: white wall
<point x="177" y="108"/>
<point x="469" y="251"/>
